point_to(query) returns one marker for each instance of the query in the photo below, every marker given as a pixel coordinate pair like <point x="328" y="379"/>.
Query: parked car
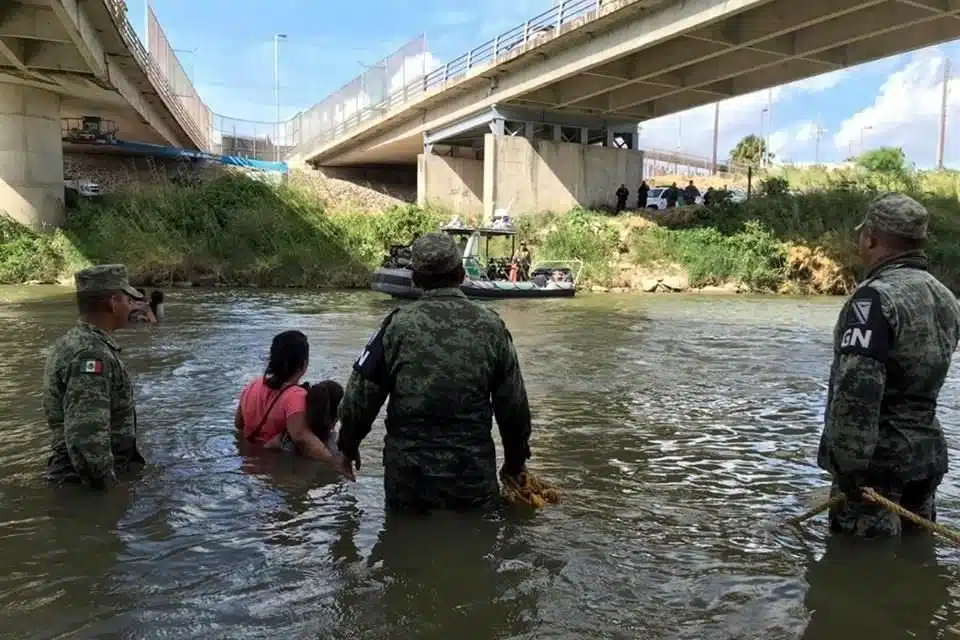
<point x="655" y="199"/>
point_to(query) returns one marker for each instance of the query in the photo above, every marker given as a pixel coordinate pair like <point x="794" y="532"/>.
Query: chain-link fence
<point x="165" y="58"/>
<point x="266" y="141"/>
<point x="659" y="162"/>
<point x="362" y="98"/>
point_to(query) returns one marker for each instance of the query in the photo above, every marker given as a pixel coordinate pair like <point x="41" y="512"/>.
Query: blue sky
<point x="228" y="50"/>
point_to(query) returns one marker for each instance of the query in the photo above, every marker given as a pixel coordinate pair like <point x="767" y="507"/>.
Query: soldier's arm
<point x="365" y="393"/>
<point x="510" y="405"/>
<point x="859" y="378"/>
<point x="86" y="417"/>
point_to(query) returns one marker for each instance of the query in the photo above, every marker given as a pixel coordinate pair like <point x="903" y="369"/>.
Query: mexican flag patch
<point x="92" y="366"/>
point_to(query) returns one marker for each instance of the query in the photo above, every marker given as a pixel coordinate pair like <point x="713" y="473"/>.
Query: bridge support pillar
<point x="31" y="156"/>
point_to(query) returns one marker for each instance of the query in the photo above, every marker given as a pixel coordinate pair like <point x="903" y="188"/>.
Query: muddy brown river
<point x="678" y="428"/>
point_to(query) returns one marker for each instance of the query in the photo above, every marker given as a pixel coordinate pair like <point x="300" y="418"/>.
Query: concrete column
<point x="528" y="130"/>
<point x="31" y="156"/>
<point x="557" y="133"/>
<point x="584" y="135"/>
<point x="610" y="137"/>
<point x="422" y="178"/>
<point x="489" y="175"/>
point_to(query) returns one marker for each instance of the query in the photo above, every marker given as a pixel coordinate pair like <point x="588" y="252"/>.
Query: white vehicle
<point x="656" y="199"/>
<point x="73" y="190"/>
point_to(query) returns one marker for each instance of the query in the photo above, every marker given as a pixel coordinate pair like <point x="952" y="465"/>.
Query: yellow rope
<point x="817" y="510"/>
<point x="873" y="496"/>
<point x="525" y="488"/>
<point x="929" y="525"/>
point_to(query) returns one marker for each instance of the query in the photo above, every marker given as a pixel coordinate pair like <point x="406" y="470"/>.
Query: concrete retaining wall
<point x="450" y="182"/>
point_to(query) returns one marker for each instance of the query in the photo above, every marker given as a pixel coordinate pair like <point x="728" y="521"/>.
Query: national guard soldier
<point x="448" y="366"/>
<point x="893" y="345"/>
<point x="87" y="394"/>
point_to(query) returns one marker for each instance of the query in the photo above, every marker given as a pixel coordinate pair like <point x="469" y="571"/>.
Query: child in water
<point x="323" y="404"/>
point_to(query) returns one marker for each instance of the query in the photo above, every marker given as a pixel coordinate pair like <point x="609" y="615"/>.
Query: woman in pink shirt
<point x="275" y="404"/>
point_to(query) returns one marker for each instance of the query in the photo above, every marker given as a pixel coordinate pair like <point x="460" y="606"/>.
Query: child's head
<point x="323" y="403"/>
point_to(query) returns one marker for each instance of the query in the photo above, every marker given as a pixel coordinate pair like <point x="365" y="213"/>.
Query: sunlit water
<point x="679" y="429"/>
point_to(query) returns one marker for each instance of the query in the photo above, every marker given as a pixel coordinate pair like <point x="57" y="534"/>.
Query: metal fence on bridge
<point x="364" y="97"/>
<point x="164" y="56"/>
<point x="251" y="139"/>
<point x="564" y="16"/>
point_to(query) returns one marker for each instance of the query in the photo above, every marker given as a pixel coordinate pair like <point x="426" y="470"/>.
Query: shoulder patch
<point x="865" y="330"/>
<point x="371" y="364"/>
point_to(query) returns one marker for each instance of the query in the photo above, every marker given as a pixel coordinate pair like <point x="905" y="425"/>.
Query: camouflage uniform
<point x="88" y="397"/>
<point x="893" y="343"/>
<point x="440" y="360"/>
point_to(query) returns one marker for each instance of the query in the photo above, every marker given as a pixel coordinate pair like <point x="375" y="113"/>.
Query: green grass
<point x="233" y="230"/>
<point x="242" y="232"/>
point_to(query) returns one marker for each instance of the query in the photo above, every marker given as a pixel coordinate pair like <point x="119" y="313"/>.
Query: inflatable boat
<point x="488" y="277"/>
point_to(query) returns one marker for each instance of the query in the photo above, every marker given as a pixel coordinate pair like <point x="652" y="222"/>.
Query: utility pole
<point x="716" y="129"/>
<point x="942" y="139"/>
<point x="820" y="132"/>
<point x="276" y="90"/>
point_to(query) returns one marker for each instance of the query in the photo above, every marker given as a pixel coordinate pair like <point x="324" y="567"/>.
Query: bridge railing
<point x="197" y="132"/>
<point x="565" y="15"/>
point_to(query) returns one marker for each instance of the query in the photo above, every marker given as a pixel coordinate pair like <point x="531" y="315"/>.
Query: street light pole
<point x="276" y="90"/>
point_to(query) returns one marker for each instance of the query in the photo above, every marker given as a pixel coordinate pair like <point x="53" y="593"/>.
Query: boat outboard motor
<point x="540" y="280"/>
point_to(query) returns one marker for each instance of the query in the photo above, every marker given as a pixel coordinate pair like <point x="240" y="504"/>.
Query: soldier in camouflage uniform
<point x="448" y="366"/>
<point x="87" y="393"/>
<point x="893" y="345"/>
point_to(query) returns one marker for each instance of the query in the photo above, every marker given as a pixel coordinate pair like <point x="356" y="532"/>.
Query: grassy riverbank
<point x="235" y="231"/>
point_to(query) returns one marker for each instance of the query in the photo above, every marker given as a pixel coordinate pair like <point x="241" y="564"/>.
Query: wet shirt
<point x="448" y="366"/>
<point x="265" y="411"/>
<point x="893" y="345"/>
<point x="90" y="408"/>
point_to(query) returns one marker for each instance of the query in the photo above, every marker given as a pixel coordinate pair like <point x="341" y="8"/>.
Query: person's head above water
<point x="289" y="356"/>
<point x="323" y="403"/>
<point x="436" y="262"/>
<point x="104" y="295"/>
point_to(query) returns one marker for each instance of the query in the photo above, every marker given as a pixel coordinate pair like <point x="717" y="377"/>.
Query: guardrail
<point x="511" y="43"/>
<point x="118" y="12"/>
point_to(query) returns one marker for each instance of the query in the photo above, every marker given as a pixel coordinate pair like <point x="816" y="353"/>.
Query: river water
<point x="678" y="428"/>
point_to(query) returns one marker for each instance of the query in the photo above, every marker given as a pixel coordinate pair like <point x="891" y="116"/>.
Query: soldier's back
<point x="444" y="353"/>
<point x="926" y="334"/>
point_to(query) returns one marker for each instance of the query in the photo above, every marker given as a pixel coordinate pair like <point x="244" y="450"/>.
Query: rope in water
<point x="873" y="496"/>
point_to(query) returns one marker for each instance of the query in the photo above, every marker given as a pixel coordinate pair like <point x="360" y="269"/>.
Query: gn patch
<point x="372" y="363"/>
<point x="865" y="330"/>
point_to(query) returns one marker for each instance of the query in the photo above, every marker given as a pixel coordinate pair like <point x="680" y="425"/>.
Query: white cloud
<point x="905" y="112"/>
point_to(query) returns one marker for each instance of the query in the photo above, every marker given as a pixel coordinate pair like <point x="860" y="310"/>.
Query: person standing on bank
<point x="448" y="366"/>
<point x="893" y="344"/>
<point x="87" y="393"/>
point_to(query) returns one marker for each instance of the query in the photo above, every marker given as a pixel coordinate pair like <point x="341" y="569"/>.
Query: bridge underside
<point x="763" y="44"/>
<point x="61" y="60"/>
<point x="771" y="45"/>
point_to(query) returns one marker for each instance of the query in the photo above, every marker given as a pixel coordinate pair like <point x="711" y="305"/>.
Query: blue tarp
<point x="143" y="148"/>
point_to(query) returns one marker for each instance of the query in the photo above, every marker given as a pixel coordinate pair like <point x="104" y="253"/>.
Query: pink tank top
<point x="256" y="399"/>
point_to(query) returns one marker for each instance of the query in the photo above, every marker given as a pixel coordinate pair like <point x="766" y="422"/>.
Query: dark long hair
<point x="289" y="352"/>
<point x="323" y="403"/>
<point x="156" y="299"/>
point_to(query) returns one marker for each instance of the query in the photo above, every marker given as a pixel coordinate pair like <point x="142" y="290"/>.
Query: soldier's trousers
<point x="865" y="519"/>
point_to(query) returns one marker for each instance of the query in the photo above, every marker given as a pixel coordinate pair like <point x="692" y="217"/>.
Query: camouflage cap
<point x="434" y="254"/>
<point x="105" y="278"/>
<point x="897" y="214"/>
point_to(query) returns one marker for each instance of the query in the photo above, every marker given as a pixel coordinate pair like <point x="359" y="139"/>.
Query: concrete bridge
<point x="61" y="60"/>
<point x="545" y="116"/>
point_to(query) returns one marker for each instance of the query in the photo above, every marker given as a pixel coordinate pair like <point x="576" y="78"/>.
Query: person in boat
<point x="523" y="260"/>
<point x="273" y="407"/>
<point x="88" y="397"/>
<point x="893" y="345"/>
<point x="448" y="366"/>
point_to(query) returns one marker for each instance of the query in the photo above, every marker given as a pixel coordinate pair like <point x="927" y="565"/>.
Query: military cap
<point x="896" y="214"/>
<point x="103" y="278"/>
<point x="435" y="254"/>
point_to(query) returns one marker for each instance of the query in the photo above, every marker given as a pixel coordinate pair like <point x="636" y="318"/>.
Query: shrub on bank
<point x="238" y="231"/>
